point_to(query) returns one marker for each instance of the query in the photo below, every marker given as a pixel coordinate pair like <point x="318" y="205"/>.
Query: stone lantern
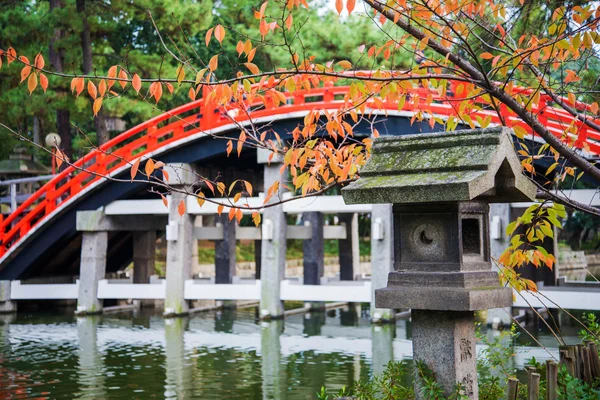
<point x="440" y="186"/>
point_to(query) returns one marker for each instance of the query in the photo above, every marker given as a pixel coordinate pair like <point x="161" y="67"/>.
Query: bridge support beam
<point x="225" y="254"/>
<point x="314" y="252"/>
<point x="348" y="248"/>
<point x="92" y="269"/>
<point x="6" y="306"/>
<point x="382" y="257"/>
<point x="180" y="239"/>
<point x="273" y="243"/>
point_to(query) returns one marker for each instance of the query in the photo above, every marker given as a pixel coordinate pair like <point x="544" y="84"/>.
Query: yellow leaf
<point x="345" y="64"/>
<point x="220" y="209"/>
<point x="256" y="218"/>
<point x="213" y="63"/>
<point x="180" y="73"/>
<point x="93" y="92"/>
<point x="201" y="199"/>
<point x="248" y="187"/>
<point x="519" y="131"/>
<point x="32" y="83"/>
<point x="97" y="105"/>
<point x="237" y="197"/>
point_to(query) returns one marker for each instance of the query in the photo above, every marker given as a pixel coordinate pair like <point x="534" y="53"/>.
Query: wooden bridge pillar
<point x="314" y="252"/>
<point x="273" y="242"/>
<point x="225" y="251"/>
<point x="144" y="254"/>
<point x="180" y="239"/>
<point x="92" y="269"/>
<point x="225" y="254"/>
<point x="382" y="257"/>
<point x="348" y="248"/>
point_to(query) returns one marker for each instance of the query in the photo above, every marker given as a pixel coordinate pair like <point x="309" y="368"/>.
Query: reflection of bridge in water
<point x="80" y="224"/>
<point x="168" y="351"/>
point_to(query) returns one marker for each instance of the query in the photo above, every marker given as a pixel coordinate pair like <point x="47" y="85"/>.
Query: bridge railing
<point x="202" y="115"/>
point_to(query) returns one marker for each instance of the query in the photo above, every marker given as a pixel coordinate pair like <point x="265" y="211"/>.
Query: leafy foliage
<point x="527" y="234"/>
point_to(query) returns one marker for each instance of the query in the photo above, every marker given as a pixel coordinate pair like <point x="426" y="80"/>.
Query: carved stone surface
<point x="445" y="342"/>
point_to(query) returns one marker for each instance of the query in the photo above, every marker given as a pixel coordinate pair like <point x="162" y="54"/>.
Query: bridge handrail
<point x="126" y="147"/>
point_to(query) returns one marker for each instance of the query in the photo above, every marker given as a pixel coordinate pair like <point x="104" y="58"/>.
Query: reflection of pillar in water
<point x="273" y="382"/>
<point x="356" y="367"/>
<point x="224" y="320"/>
<point x="313" y="322"/>
<point x="382" y="342"/>
<point x="178" y="371"/>
<point x="91" y="367"/>
<point x="349" y="315"/>
<point x="5" y="321"/>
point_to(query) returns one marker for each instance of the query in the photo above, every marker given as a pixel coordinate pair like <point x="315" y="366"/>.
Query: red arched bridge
<point x="42" y="227"/>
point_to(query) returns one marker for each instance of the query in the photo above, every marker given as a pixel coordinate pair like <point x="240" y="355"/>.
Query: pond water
<point x="217" y="355"/>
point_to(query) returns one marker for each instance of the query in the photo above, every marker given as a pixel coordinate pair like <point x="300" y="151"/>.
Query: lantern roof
<point x="464" y="165"/>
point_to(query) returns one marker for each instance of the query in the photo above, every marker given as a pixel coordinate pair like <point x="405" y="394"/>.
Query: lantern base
<point x="443" y="298"/>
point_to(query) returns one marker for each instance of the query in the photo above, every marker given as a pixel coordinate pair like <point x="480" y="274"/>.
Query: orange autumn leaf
<point x="208" y="36"/>
<point x="350" y="6"/>
<point x="136" y="83"/>
<point x="39" y="61"/>
<point x="219" y="33"/>
<point x="92" y="91"/>
<point x="252" y="67"/>
<point x="135" y="167"/>
<point x="181" y="208"/>
<point x="251" y="54"/>
<point x="123" y="77"/>
<point x="43" y="82"/>
<point x="25" y="72"/>
<point x="11" y="55"/>
<point x="149" y="169"/>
